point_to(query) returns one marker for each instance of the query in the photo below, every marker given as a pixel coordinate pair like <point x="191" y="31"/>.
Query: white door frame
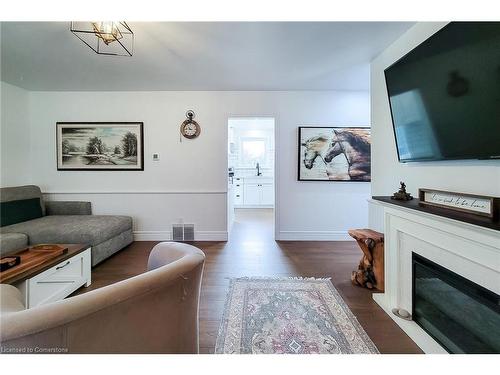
<point x="276" y="169"/>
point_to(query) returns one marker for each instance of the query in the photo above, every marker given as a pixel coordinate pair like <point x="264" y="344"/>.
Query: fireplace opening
<point x="461" y="315"/>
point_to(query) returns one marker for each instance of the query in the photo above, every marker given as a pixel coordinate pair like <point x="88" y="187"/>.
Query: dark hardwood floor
<point x="251" y="251"/>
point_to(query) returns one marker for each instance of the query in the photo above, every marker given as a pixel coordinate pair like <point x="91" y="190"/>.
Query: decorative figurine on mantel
<point x="401" y="194"/>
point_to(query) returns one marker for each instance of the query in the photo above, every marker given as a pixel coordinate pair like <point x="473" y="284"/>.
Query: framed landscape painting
<point x="334" y="154"/>
<point x="100" y="146"/>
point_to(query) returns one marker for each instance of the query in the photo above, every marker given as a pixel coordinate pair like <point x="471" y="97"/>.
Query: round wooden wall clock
<point x="190" y="129"/>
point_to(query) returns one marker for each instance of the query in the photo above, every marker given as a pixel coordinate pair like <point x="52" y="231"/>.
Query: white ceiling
<point x="43" y="56"/>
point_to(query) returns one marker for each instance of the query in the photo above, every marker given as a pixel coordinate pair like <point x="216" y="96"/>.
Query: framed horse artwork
<point x="334" y="154"/>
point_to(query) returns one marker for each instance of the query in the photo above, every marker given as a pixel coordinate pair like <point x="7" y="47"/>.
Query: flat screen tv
<point x="445" y="95"/>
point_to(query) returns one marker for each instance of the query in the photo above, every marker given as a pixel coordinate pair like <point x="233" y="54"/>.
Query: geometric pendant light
<point x="105" y="37"/>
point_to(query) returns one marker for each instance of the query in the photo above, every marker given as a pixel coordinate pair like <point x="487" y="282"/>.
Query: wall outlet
<point x="156" y="157"/>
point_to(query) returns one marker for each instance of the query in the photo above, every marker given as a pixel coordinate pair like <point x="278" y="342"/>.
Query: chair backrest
<point x="155" y="312"/>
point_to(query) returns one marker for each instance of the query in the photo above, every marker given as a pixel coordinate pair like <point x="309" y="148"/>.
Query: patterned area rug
<point x="289" y="316"/>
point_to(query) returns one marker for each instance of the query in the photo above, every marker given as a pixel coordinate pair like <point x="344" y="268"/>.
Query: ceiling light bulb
<point x="107" y="31"/>
<point x="100" y="35"/>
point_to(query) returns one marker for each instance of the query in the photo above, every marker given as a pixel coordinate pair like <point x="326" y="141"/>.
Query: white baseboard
<point x="238" y="206"/>
<point x="211" y="236"/>
<point x="145" y="235"/>
<point x="314" y="236"/>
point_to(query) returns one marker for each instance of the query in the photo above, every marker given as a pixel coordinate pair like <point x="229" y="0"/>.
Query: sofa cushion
<point x="89" y="229"/>
<point x="12" y="242"/>
<point x="14" y="212"/>
<point x="22" y="192"/>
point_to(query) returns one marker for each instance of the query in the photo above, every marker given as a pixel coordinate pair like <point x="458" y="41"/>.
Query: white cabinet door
<point x="267" y="194"/>
<point x="251" y="195"/>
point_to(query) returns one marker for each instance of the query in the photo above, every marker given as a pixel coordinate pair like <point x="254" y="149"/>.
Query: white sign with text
<point x="464" y="202"/>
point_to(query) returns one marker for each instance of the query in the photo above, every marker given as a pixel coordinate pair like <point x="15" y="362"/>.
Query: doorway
<point x="251" y="166"/>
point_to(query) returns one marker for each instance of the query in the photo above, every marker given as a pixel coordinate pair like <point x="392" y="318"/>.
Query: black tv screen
<point x="445" y="95"/>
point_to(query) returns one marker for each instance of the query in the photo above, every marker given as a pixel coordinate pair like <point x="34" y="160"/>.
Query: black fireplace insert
<point x="461" y="315"/>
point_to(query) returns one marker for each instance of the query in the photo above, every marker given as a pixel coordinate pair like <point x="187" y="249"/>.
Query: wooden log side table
<point x="370" y="273"/>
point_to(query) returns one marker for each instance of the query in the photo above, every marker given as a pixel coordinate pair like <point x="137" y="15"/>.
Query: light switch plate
<point x="156" y="157"/>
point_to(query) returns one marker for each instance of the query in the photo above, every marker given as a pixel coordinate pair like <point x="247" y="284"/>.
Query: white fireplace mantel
<point x="466" y="249"/>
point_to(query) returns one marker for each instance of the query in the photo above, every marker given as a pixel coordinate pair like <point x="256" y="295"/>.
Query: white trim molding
<point x="338" y="235"/>
<point x="144" y="235"/>
<point x="135" y="192"/>
<point x="150" y="235"/>
<point x="242" y="206"/>
<point x="211" y="236"/>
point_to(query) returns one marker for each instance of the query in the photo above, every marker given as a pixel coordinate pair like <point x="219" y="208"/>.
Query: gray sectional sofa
<point x="24" y="223"/>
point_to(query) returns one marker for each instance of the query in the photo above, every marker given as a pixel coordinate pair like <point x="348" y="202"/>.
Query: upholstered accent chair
<point x="155" y="312"/>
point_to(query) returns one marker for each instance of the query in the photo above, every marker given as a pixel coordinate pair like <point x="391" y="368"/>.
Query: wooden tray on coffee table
<point x="36" y="259"/>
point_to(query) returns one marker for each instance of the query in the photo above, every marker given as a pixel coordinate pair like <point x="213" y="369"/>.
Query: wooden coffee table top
<point x="39" y="262"/>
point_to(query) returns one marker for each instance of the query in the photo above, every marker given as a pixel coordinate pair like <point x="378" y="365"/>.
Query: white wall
<point x="189" y="181"/>
<point x="481" y="177"/>
<point x="15" y="136"/>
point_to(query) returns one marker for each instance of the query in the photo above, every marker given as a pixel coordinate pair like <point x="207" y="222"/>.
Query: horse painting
<point x="354" y="144"/>
<point x="334" y="154"/>
<point x="314" y="147"/>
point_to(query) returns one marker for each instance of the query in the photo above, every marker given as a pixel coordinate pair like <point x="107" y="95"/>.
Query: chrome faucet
<point x="259" y="173"/>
